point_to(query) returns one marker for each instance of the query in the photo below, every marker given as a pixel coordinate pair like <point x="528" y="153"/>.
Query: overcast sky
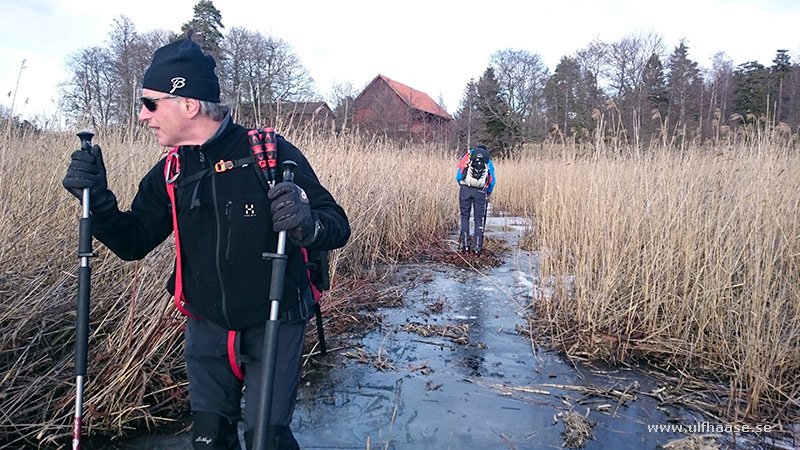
<point x="435" y="46"/>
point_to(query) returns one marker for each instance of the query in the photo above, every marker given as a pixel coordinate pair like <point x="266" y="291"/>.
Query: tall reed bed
<point x="687" y="260"/>
<point x="396" y="199"/>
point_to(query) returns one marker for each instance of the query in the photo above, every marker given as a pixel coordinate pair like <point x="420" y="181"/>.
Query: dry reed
<point x="136" y="375"/>
<point x="689" y="261"/>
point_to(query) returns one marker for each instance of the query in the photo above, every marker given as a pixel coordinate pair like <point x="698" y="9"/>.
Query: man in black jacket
<point x="225" y="221"/>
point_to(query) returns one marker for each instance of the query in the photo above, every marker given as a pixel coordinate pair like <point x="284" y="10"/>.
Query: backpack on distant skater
<point x="476" y="172"/>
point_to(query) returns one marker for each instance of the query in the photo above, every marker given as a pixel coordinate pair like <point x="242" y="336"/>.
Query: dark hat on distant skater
<point x="181" y="68"/>
<point x="480" y="151"/>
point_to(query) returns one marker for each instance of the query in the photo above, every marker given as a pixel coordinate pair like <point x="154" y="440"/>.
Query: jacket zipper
<point x="228" y="239"/>
<point x="223" y="299"/>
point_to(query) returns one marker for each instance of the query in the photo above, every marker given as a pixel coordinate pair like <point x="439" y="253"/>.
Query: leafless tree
<point x="592" y="58"/>
<point x="342" y="96"/>
<point x="88" y="94"/>
<point x="129" y="57"/>
<point x="592" y="62"/>
<point x="522" y="77"/>
<point x="235" y="54"/>
<point x="153" y="40"/>
<point x="719" y="83"/>
<point x="625" y="64"/>
<point x="260" y="71"/>
<point x="105" y="83"/>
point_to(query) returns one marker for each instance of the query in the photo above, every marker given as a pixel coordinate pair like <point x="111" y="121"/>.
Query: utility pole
<point x="9" y="127"/>
<point x="14" y="98"/>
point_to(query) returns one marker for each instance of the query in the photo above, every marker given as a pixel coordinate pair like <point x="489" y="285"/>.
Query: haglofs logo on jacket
<point x="477" y="171"/>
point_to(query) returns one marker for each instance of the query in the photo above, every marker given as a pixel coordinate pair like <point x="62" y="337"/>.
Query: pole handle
<point x="288" y="170"/>
<point x="86" y="140"/>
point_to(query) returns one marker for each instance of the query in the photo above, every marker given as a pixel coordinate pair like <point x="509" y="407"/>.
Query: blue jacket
<point x="463" y="165"/>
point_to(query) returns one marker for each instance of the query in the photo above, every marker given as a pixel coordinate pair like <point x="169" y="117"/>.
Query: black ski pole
<point x="485" y="213"/>
<point x="269" y="355"/>
<point x="323" y="349"/>
<point x="84" y="280"/>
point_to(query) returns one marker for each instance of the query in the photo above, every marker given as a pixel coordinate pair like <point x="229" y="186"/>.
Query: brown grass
<point x="687" y="261"/>
<point x="136" y="374"/>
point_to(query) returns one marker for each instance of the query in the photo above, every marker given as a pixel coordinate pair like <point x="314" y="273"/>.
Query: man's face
<point x="167" y="118"/>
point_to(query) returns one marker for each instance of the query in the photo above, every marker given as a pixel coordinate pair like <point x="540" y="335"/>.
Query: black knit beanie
<point x="181" y="68"/>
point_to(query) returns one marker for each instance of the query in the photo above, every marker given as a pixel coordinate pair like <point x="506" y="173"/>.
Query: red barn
<point x="386" y="107"/>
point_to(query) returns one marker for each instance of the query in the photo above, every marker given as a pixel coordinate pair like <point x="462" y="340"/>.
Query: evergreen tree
<point x="468" y="133"/>
<point x="563" y="97"/>
<point x="791" y="91"/>
<point x="204" y="28"/>
<point x="685" y="89"/>
<point x="657" y="97"/>
<point x="501" y="131"/>
<point x="572" y="94"/>
<point x="779" y="72"/>
<point x="655" y="83"/>
<point x="750" y="97"/>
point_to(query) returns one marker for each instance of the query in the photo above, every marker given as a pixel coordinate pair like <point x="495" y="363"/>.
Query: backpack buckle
<point x="223" y="165"/>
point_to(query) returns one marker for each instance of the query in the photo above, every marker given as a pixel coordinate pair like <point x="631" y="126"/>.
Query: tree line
<point x="630" y="93"/>
<point x="634" y="92"/>
<point x="256" y="71"/>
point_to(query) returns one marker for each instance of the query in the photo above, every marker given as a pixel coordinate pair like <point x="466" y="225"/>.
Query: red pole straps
<point x="257" y="146"/>
<point x="271" y="144"/>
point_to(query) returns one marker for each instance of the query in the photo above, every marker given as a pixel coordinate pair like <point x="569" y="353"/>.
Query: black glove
<point x="87" y="170"/>
<point x="291" y="212"/>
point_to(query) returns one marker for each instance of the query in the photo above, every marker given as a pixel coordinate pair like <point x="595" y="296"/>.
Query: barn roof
<point x="414" y="98"/>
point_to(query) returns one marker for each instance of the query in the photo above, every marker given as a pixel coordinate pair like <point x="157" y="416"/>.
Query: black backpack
<point x="477" y="171"/>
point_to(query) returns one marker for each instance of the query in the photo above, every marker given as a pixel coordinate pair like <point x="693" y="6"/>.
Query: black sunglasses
<point x="150" y="102"/>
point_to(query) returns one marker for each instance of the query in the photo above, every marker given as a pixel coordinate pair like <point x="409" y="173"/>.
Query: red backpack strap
<point x="172" y="169"/>
<point x="314" y="291"/>
<point x="317" y="294"/>
<point x="233" y="354"/>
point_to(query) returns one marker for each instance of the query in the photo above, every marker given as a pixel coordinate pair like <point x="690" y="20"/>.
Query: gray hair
<point x="215" y="111"/>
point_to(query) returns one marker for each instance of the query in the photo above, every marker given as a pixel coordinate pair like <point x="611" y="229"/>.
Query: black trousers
<point x="213" y="387"/>
<point x="472" y="200"/>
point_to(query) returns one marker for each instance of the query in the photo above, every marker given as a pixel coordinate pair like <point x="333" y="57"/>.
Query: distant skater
<point x="476" y="177"/>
